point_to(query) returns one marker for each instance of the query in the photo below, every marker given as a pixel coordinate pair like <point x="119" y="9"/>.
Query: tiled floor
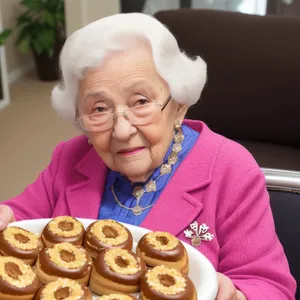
<point x="29" y="131"/>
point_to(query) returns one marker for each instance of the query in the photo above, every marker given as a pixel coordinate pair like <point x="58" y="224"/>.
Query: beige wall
<point x="81" y="12"/>
<point x="73" y="15"/>
<point x="10" y="10"/>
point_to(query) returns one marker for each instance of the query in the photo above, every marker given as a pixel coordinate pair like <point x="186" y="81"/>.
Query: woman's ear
<point x="181" y="111"/>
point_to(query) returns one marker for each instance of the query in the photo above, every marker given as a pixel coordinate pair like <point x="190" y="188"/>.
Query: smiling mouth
<point x="131" y="151"/>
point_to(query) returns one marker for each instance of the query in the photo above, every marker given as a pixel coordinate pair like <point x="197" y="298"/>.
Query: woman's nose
<point x="122" y="129"/>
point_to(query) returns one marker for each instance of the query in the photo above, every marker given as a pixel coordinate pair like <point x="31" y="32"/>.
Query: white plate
<point x="202" y="273"/>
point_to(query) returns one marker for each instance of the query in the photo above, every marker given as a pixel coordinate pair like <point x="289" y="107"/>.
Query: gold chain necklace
<point x="137" y="210"/>
<point x="166" y="168"/>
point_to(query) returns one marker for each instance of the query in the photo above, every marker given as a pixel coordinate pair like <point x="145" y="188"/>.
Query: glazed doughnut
<point x="166" y="283"/>
<point x="20" y="243"/>
<point x="63" y="230"/>
<point x="117" y="297"/>
<point x="117" y="271"/>
<point x="106" y="234"/>
<point x="17" y="279"/>
<point x="63" y="260"/>
<point x="64" y="288"/>
<point x="162" y="248"/>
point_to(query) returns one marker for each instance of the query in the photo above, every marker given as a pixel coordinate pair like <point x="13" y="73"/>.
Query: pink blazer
<point x="219" y="184"/>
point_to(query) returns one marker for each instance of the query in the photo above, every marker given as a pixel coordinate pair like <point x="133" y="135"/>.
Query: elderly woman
<point x="128" y="86"/>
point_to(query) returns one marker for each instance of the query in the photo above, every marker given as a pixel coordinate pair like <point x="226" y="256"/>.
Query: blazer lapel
<point x="181" y="201"/>
<point x="84" y="198"/>
<point x="174" y="210"/>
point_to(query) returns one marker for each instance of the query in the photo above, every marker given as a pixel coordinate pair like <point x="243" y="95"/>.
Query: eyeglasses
<point x="136" y="115"/>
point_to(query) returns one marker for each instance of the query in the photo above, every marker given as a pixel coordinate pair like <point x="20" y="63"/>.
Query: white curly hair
<point x="87" y="48"/>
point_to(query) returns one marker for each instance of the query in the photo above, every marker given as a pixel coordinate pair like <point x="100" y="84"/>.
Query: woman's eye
<point x="98" y="109"/>
<point x="142" y="101"/>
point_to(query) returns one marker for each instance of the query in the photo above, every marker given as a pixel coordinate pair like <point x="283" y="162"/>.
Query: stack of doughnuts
<point x="106" y="234"/>
<point x="17" y="279"/>
<point x="20" y="243"/>
<point x="162" y="248"/>
<point x="63" y="229"/>
<point x="71" y="263"/>
<point x="63" y="260"/>
<point x="64" y="288"/>
<point x="117" y="270"/>
<point x="166" y="283"/>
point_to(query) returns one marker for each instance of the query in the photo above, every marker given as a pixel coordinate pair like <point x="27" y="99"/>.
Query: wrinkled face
<point x="129" y="79"/>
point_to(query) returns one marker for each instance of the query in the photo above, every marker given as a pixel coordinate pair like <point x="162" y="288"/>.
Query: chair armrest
<point x="283" y="180"/>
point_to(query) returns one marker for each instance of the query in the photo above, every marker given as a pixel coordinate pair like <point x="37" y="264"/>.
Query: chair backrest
<point x="253" y="87"/>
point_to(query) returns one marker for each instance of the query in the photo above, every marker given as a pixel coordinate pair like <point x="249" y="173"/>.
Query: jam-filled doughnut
<point x="166" y="283"/>
<point x="63" y="260"/>
<point x="64" y="288"/>
<point x="20" y="243"/>
<point x="63" y="229"/>
<point x="17" y="279"/>
<point x="162" y="248"/>
<point x="106" y="234"/>
<point x="117" y="297"/>
<point x="117" y="271"/>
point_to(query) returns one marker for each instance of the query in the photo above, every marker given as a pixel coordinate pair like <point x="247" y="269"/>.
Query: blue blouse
<point x="109" y="209"/>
